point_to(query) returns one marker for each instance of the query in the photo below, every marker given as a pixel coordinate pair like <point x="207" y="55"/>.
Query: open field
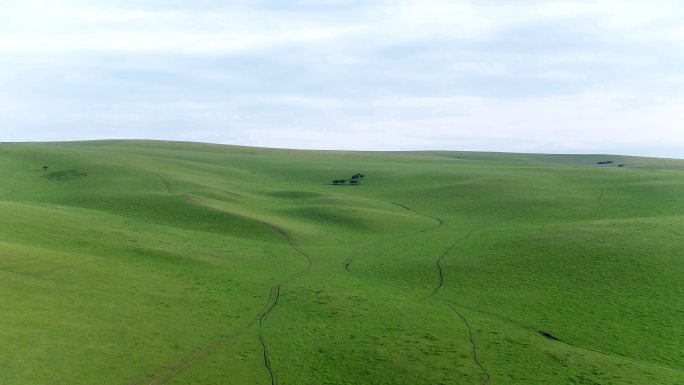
<point x="140" y="263"/>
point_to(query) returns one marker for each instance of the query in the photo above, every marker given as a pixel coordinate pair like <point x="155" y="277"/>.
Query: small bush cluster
<point x="355" y="179"/>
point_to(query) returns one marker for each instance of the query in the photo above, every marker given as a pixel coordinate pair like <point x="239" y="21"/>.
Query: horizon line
<point x="345" y="150"/>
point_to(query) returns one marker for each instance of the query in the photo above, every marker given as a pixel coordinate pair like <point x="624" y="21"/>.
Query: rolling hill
<point x="148" y="262"/>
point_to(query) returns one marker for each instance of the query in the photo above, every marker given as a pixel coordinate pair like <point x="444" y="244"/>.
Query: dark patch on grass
<point x="65" y="175"/>
<point x="548" y="336"/>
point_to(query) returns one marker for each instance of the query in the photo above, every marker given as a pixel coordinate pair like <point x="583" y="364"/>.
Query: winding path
<point x="273" y="302"/>
<point x="168" y="373"/>
<point x="275" y="295"/>
<point x="554" y="338"/>
<point x="485" y="373"/>
<point x="169" y="189"/>
<point x="163" y="375"/>
<point x="440" y="271"/>
<point x="440" y="222"/>
<point x="438" y="263"/>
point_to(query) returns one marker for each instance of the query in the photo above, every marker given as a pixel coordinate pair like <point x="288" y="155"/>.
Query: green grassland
<point x="140" y="263"/>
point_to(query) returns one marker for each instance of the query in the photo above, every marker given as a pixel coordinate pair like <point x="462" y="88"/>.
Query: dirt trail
<point x="484" y="371"/>
<point x="163" y="375"/>
<point x="554" y="338"/>
<point x="169" y="189"/>
<point x="167" y="373"/>
<point x="273" y="302"/>
<point x="294" y="246"/>
<point x="168" y="185"/>
<point x="440" y="222"/>
<point x="438" y="263"/>
<point x="440" y="271"/>
<point x="275" y="295"/>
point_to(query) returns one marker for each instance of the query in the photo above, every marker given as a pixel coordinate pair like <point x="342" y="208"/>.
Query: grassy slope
<point x="158" y="264"/>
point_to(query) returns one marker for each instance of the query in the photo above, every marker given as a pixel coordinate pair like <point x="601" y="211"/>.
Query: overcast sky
<point x="529" y="76"/>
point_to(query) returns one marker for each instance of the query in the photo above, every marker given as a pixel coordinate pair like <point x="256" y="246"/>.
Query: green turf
<point x="136" y="262"/>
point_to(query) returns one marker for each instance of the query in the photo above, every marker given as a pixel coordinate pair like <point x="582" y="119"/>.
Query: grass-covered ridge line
<point x="144" y="262"/>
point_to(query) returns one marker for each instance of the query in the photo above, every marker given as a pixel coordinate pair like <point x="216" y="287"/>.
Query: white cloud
<point x="58" y="26"/>
<point x="61" y="26"/>
<point x="495" y="75"/>
<point x="591" y="122"/>
<point x="426" y="102"/>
